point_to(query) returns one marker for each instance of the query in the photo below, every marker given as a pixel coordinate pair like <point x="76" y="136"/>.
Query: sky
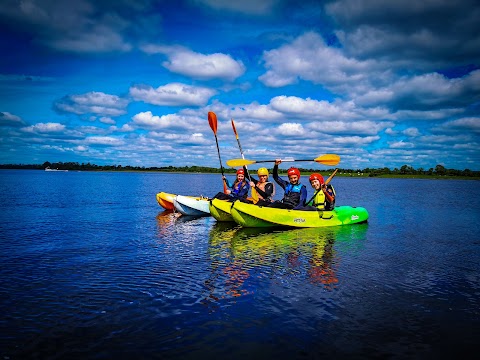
<point x="130" y="82"/>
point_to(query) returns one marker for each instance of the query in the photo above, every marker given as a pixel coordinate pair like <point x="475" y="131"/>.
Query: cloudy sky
<point x="130" y="82"/>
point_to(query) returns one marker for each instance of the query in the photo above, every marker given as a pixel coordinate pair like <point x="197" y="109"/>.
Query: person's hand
<point x="229" y="191"/>
<point x="278" y="161"/>
<point x="252" y="184"/>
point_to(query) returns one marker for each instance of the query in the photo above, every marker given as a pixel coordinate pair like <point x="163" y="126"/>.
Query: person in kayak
<point x="323" y="197"/>
<point x="237" y="190"/>
<point x="295" y="193"/>
<point x="264" y="188"/>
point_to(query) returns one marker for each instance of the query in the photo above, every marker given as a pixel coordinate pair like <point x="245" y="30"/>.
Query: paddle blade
<point x="240" y="162"/>
<point x="328" y="159"/>
<point x="234" y="129"/>
<point x="212" y="121"/>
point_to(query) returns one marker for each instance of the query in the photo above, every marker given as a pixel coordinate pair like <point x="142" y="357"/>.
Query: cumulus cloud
<point x="198" y="66"/>
<point x="411" y="132"/>
<point x="309" y="58"/>
<point x="44" y="128"/>
<point x="147" y="120"/>
<point x="174" y="94"/>
<point x="291" y="129"/>
<point x="92" y="102"/>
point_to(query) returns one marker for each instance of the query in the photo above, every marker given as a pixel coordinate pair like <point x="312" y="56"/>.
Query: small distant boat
<point x="48" y="169"/>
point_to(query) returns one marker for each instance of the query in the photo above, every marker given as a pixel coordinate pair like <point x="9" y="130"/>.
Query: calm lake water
<point x="92" y="267"/>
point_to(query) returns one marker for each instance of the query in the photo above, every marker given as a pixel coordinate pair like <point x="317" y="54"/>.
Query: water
<point x="92" y="267"/>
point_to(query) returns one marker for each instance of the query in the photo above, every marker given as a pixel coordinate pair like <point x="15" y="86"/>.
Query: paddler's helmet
<point x="293" y="171"/>
<point x="316" y="176"/>
<point x="240" y="171"/>
<point x="262" y="171"/>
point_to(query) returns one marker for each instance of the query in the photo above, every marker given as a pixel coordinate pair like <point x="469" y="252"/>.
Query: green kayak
<point x="220" y="210"/>
<point x="248" y="215"/>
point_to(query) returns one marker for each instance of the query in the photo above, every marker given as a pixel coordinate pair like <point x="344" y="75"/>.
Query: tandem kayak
<point x="248" y="215"/>
<point x="192" y="206"/>
<point x="220" y="210"/>
<point x="165" y="200"/>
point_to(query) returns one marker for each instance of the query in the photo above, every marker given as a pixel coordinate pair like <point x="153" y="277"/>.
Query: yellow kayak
<point x="165" y="200"/>
<point x="248" y="215"/>
<point x="220" y="209"/>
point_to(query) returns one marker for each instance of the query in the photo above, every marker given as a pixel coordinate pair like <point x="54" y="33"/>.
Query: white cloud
<point x="103" y="140"/>
<point x="174" y="94"/>
<point x="199" y="66"/>
<point x="93" y="102"/>
<point x="309" y="58"/>
<point x="291" y="129"/>
<point x="154" y="122"/>
<point x="43" y="128"/>
<point x="411" y="132"/>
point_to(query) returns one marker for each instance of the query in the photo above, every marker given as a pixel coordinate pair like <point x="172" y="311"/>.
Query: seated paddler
<point x="295" y="193"/>
<point x="237" y="190"/>
<point x="324" y="195"/>
<point x="263" y="189"/>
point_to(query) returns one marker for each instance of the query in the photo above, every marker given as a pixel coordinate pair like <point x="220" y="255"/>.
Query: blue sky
<point x="129" y="82"/>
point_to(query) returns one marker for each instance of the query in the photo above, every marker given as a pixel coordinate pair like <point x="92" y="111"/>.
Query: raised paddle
<point x="254" y="192"/>
<point x="212" y="121"/>
<point x="327" y="159"/>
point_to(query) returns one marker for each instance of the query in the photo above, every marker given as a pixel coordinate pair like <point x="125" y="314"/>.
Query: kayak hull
<point x="220" y="210"/>
<point x="165" y="200"/>
<point x="191" y="206"/>
<point x="248" y="215"/>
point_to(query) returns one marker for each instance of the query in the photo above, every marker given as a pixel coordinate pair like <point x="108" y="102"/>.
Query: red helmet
<point x="240" y="171"/>
<point x="316" y="176"/>
<point x="293" y="171"/>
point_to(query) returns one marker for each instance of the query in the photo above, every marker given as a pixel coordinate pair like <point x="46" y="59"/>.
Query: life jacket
<point x="292" y="195"/>
<point x="238" y="186"/>
<point x="320" y="200"/>
<point x="261" y="186"/>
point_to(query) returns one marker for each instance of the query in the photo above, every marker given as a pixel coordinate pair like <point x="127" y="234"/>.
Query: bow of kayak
<point x="248" y="215"/>
<point x="165" y="200"/>
<point x="220" y="210"/>
<point x="191" y="206"/>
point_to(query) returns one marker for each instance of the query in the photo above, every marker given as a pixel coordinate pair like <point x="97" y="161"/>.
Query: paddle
<point x="254" y="192"/>
<point x="327" y="159"/>
<point x="212" y="121"/>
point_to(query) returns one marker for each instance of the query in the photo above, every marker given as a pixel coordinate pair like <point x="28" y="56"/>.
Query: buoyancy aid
<point x="292" y="194"/>
<point x="320" y="201"/>
<point x="238" y="186"/>
<point x="262" y="186"/>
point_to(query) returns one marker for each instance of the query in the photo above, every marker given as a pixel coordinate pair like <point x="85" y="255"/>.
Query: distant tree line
<point x="439" y="170"/>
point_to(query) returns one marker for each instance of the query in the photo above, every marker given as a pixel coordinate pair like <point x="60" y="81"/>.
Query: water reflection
<point x="241" y="257"/>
